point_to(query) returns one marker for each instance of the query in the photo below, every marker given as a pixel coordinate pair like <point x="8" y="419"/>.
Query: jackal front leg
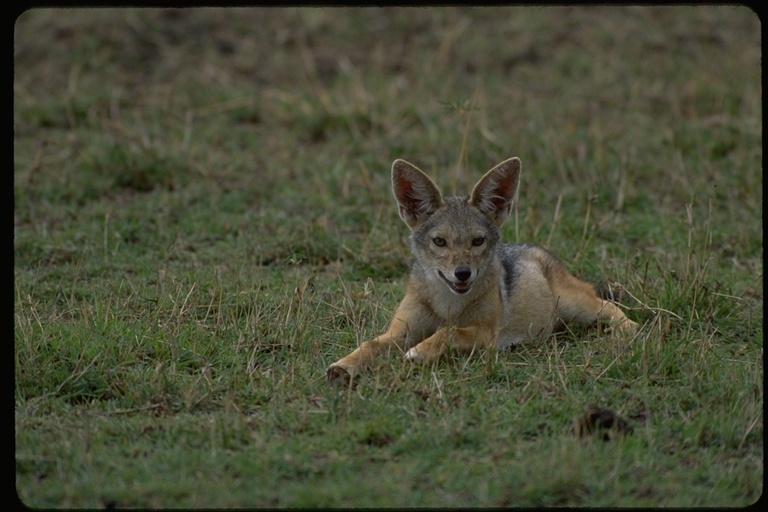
<point x="462" y="339"/>
<point x="410" y="324"/>
<point x="346" y="369"/>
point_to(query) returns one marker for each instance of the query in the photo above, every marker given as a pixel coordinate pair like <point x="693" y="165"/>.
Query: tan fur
<point x="467" y="289"/>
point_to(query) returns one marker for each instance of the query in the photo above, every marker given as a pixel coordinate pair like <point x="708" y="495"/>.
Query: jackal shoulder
<point x="521" y="259"/>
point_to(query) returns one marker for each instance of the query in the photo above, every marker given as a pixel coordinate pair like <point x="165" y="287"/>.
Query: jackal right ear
<point x="416" y="194"/>
<point x="494" y="193"/>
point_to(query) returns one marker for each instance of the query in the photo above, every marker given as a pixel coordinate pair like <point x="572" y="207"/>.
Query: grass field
<point x="203" y="222"/>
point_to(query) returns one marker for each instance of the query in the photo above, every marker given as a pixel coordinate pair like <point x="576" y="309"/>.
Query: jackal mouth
<point x="459" y="288"/>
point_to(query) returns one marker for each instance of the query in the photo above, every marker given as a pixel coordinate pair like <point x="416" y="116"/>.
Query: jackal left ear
<point x="494" y="193"/>
<point x="416" y="194"/>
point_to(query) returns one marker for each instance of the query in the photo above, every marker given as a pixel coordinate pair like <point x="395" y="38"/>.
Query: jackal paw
<point x="420" y="355"/>
<point x="414" y="356"/>
<point x="340" y="376"/>
<point x="624" y="327"/>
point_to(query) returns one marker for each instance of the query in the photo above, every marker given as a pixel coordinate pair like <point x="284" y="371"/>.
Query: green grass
<point x="203" y="222"/>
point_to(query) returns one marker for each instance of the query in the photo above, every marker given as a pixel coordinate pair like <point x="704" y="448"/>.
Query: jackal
<point x="468" y="289"/>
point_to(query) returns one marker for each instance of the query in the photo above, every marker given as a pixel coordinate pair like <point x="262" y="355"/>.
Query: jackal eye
<point x="477" y="242"/>
<point x="440" y="242"/>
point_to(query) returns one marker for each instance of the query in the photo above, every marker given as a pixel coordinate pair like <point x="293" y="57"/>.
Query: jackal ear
<point x="494" y="193"/>
<point x="416" y="194"/>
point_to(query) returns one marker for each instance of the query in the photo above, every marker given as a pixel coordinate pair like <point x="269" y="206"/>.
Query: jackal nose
<point x="463" y="273"/>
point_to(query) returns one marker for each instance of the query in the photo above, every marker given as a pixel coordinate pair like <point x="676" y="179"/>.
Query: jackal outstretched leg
<point x="577" y="301"/>
<point x="410" y="324"/>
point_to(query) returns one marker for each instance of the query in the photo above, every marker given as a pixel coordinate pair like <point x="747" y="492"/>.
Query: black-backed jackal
<point x="467" y="288"/>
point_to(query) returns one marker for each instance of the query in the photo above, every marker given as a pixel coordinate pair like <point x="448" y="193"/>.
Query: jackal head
<point x="454" y="238"/>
